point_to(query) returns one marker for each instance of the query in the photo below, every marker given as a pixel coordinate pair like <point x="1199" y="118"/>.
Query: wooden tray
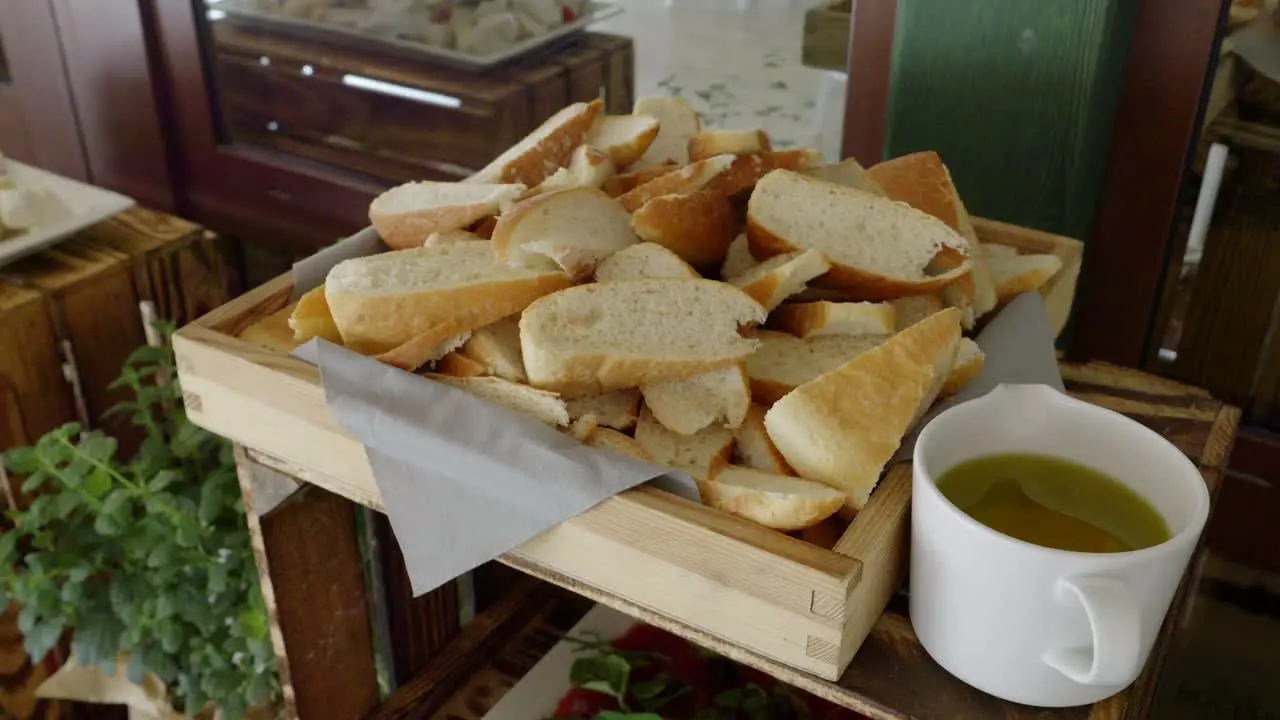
<point x="745" y="590"/>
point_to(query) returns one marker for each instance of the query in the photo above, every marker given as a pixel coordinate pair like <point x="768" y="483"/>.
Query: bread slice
<point x="701" y="453"/>
<point x="311" y="318"/>
<point x="913" y="309"/>
<point x="383" y="301"/>
<point x="1024" y="273"/>
<point x="753" y="448"/>
<point x="608" y="336"/>
<point x="644" y="261"/>
<point x="543" y="405"/>
<point x="456" y="364"/>
<point x="609" y="439"/>
<point x="738" y="258"/>
<point x="922" y="181"/>
<point x="543" y="151"/>
<point x="496" y="347"/>
<point x="623" y="137"/>
<point x="848" y="173"/>
<point x="688" y="179"/>
<point x="996" y="250"/>
<point x="785" y="362"/>
<point x="576" y="228"/>
<point x="447" y="237"/>
<point x="484" y="228"/>
<point x="421" y="350"/>
<point x="710" y="143"/>
<point x="617" y="409"/>
<point x="843" y="426"/>
<point x="878" y="249"/>
<point x="686" y="406"/>
<point x="698" y="226"/>
<point x="747" y="170"/>
<point x="774" y="501"/>
<point x="969" y="361"/>
<point x="588" y="167"/>
<point x="781" y="276"/>
<point x="811" y="319"/>
<point x="406" y="214"/>
<point x="583" y="428"/>
<point x="677" y="123"/>
<point x="623" y="183"/>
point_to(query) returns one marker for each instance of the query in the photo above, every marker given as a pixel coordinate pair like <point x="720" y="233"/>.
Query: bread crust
<point x="311" y="318"/>
<point x="808" y="319"/>
<point x="624" y="183"/>
<point x="626" y="153"/>
<point x="777" y="510"/>
<point x="548" y="154"/>
<point x="698" y="227"/>
<point x="710" y="143"/>
<point x="688" y="179"/>
<point x="458" y="365"/>
<point x="962" y="373"/>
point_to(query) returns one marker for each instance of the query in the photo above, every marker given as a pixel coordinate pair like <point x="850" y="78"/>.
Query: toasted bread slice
<point x="781" y="276"/>
<point x="588" y="167"/>
<point x="543" y="151"/>
<point x="911" y="310"/>
<point x="753" y="448"/>
<point x="311" y="318"/>
<point x="848" y="173"/>
<point x="738" y="258"/>
<point x="688" y="405"/>
<point x="543" y="405"/>
<point x="775" y="501"/>
<point x="644" y="261"/>
<point x="617" y="409"/>
<point x="843" y="426"/>
<point x="496" y="347"/>
<point x="811" y="319"/>
<point x="1024" y="273"/>
<point x="576" y="228"/>
<point x="969" y="361"/>
<point x="698" y="226"/>
<point x="701" y="453"/>
<point x="608" y="336"/>
<point x="609" y="439"/>
<point x="710" y="143"/>
<point x="785" y="362"/>
<point x="623" y="137"/>
<point x="878" y="249"/>
<point x="677" y="123"/>
<point x="406" y="215"/>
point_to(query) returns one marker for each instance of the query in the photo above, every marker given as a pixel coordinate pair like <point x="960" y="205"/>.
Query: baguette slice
<point x="623" y="183"/>
<point x="406" y="215"/>
<point x="848" y="173"/>
<point x="687" y="179"/>
<point x="710" y="143"/>
<point x="448" y="237"/>
<point x="644" y="261"/>
<point x="738" y="258"/>
<point x="576" y="228"/>
<point x="922" y="181"/>
<point x="811" y="319"/>
<point x="996" y="250"/>
<point x="1024" y="273"/>
<point x="753" y="448"/>
<point x="698" y="226"/>
<point x="608" y="336"/>
<point x="383" y="301"/>
<point x="455" y="364"/>
<point x="702" y="453"/>
<point x="618" y="409"/>
<point x="583" y="428"/>
<point x="545" y="406"/>
<point x="774" y="501"/>
<point x="677" y="123"/>
<point x="911" y="310"/>
<point x="969" y="362"/>
<point x="879" y="249"/>
<point x="543" y="151"/>
<point x="496" y="348"/>
<point x="588" y="167"/>
<point x="311" y="318"/>
<point x="785" y="362"/>
<point x="747" y="170"/>
<point x="623" y="137"/>
<point x="609" y="439"/>
<point x="842" y="427"/>
<point x="781" y="276"/>
<point x="422" y="349"/>
<point x="691" y="404"/>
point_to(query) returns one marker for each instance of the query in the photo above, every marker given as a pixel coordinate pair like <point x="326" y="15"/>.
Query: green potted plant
<point x="145" y="558"/>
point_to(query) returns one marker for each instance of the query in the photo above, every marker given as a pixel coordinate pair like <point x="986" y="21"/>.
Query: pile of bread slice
<point x="771" y="325"/>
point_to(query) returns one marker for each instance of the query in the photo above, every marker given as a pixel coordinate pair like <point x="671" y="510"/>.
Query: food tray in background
<point x="244" y="12"/>
<point x="85" y="205"/>
<point x="751" y="593"/>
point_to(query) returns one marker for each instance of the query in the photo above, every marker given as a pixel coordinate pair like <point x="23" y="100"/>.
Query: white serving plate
<point x="539" y="691"/>
<point x="88" y="205"/>
<point x="245" y="13"/>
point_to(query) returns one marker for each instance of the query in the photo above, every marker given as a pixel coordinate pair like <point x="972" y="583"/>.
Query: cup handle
<point x="1115" y="657"/>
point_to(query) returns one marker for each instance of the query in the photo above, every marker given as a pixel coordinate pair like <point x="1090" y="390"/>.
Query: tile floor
<point x="738" y="63"/>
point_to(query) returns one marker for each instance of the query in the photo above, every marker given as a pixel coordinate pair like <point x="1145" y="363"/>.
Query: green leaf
<point x="217" y="578"/>
<point x="186" y="441"/>
<point x="259" y="689"/>
<point x="22" y="460"/>
<point x="210" y="502"/>
<point x="164" y="607"/>
<point x="116" y="502"/>
<point x="170" y="635"/>
<point x="602" y="673"/>
<point x="651" y="688"/>
<point x="188" y="534"/>
<point x="41" y="639"/>
<point x="98" y="483"/>
<point x="108" y="525"/>
<point x="34" y="481"/>
<point x="160" y="555"/>
<point x="8" y="540"/>
<point x="163" y="479"/>
<point x="136" y="671"/>
<point x="27" y="619"/>
<point x="64" y="504"/>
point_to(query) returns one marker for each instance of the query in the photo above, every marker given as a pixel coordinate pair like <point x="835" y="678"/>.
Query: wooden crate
<point x="743" y="588"/>
<point x="826" y="36"/>
<point x="284" y="93"/>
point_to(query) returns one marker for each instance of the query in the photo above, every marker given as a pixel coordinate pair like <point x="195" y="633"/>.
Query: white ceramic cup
<point x="1032" y="624"/>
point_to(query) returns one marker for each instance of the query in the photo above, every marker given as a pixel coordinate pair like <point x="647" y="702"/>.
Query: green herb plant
<point x="148" y="556"/>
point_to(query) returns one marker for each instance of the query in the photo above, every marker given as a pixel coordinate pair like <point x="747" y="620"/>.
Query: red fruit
<point x="579" y="703"/>
<point x="567" y="15"/>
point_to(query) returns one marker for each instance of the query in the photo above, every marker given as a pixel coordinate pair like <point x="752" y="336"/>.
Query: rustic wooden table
<point x="318" y="601"/>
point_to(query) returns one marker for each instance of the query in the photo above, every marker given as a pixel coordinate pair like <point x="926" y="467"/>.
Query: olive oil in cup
<point x="1054" y="503"/>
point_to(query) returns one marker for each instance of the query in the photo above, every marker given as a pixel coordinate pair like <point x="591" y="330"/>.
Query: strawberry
<point x="579" y="703"/>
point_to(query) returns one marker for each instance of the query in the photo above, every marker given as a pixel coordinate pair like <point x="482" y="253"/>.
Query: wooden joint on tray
<point x="191" y="402"/>
<point x="821" y="650"/>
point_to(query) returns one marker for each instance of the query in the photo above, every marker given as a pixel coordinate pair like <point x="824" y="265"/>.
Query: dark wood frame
<point x="1173" y="53"/>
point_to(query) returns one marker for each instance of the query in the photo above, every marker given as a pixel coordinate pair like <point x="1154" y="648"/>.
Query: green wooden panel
<point x="1019" y="98"/>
